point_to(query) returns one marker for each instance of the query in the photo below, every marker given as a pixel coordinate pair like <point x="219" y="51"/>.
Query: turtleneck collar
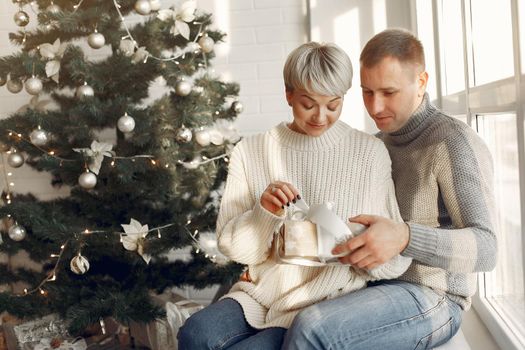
<point x="415" y="124"/>
<point x="292" y="139"/>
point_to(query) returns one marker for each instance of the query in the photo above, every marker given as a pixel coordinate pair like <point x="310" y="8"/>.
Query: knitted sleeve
<point x="385" y="204"/>
<point x="464" y="173"/>
<point x="244" y="228"/>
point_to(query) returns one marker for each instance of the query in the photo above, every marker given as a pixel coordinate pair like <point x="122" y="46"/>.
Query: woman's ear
<point x="289" y="96"/>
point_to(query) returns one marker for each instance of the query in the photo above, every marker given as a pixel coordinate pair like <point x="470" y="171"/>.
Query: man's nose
<point x="377" y="105"/>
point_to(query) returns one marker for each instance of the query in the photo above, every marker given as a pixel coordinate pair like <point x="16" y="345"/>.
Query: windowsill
<point x="504" y="318"/>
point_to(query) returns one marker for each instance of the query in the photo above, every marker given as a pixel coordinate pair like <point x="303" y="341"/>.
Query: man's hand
<point x="383" y="240"/>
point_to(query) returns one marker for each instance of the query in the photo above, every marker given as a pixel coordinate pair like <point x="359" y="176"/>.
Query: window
<point x="492" y="103"/>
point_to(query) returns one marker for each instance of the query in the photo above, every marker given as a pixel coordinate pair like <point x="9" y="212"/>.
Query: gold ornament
<point x="14" y="86"/>
<point x="21" y="18"/>
<point x="17" y="233"/>
<point x="79" y="264"/>
<point x="183" y="88"/>
<point x="206" y="43"/>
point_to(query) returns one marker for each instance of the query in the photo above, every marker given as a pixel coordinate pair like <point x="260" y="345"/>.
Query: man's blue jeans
<point x="386" y="315"/>
<point x="222" y="326"/>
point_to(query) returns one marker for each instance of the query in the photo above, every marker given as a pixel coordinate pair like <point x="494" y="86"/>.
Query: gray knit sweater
<point x="443" y="176"/>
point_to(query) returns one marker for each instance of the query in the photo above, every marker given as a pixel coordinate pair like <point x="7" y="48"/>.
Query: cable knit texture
<point x="443" y="175"/>
<point x="343" y="166"/>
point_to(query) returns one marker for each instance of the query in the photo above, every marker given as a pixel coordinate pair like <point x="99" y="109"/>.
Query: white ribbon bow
<point x="181" y="15"/>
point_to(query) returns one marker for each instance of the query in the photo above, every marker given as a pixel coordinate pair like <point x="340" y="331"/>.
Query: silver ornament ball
<point x="126" y="123"/>
<point x="38" y="137"/>
<point x="21" y="18"/>
<point x="17" y="233"/>
<point x="193" y="164"/>
<point x="237" y="107"/>
<point x="206" y="43"/>
<point x="3" y="80"/>
<point x="203" y="137"/>
<point x="53" y="9"/>
<point x="33" y="86"/>
<point x="79" y="265"/>
<point x="15" y="160"/>
<point x="87" y="180"/>
<point x="184" y="135"/>
<point x="84" y="91"/>
<point x="155" y="5"/>
<point x="183" y="88"/>
<point x="96" y="40"/>
<point x="143" y="7"/>
<point x="14" y="86"/>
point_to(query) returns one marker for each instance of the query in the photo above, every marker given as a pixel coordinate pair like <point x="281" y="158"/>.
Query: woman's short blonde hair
<point x="324" y="69"/>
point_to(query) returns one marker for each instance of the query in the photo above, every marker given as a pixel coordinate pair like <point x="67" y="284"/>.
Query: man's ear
<point x="422" y="82"/>
<point x="289" y="96"/>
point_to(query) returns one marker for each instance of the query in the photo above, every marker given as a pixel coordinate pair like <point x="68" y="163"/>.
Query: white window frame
<point x="503" y="96"/>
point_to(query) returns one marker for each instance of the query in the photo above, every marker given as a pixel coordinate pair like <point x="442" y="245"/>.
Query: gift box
<point x="46" y="333"/>
<point x="308" y="235"/>
<point x="162" y="333"/>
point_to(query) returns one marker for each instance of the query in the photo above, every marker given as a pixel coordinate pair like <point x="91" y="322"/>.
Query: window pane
<point x="425" y="33"/>
<point x="521" y="9"/>
<point x="504" y="286"/>
<point x="492" y="49"/>
<point x="451" y="41"/>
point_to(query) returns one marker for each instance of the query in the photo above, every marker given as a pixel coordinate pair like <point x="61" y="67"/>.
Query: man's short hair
<point x="324" y="69"/>
<point x="396" y="43"/>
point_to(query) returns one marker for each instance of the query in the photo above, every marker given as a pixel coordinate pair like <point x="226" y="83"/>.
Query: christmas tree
<point x="144" y="176"/>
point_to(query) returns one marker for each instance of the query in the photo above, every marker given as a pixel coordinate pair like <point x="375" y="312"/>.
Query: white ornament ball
<point x="17" y="233"/>
<point x="33" y="86"/>
<point x="53" y="9"/>
<point x="87" y="180"/>
<point x="126" y="123"/>
<point x="184" y="135"/>
<point x="203" y="137"/>
<point x="3" y="80"/>
<point x="143" y="7"/>
<point x="38" y="137"/>
<point x="21" y="18"/>
<point x="14" y="86"/>
<point x="183" y="88"/>
<point x="79" y="265"/>
<point x="155" y="5"/>
<point x="206" y="43"/>
<point x="96" y="40"/>
<point x="237" y="107"/>
<point x="84" y="91"/>
<point x="15" y="160"/>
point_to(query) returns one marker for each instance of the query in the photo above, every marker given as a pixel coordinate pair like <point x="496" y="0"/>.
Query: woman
<point x="317" y="158"/>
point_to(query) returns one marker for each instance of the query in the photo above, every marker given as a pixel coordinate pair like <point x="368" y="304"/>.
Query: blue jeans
<point x="386" y="315"/>
<point x="222" y="325"/>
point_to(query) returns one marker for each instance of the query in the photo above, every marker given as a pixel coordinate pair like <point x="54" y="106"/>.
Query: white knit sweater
<point x="344" y="166"/>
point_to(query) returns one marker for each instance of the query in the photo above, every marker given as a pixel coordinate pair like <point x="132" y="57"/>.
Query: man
<point x="443" y="176"/>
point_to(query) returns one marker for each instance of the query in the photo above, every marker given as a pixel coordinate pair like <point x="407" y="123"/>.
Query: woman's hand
<point x="277" y="195"/>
